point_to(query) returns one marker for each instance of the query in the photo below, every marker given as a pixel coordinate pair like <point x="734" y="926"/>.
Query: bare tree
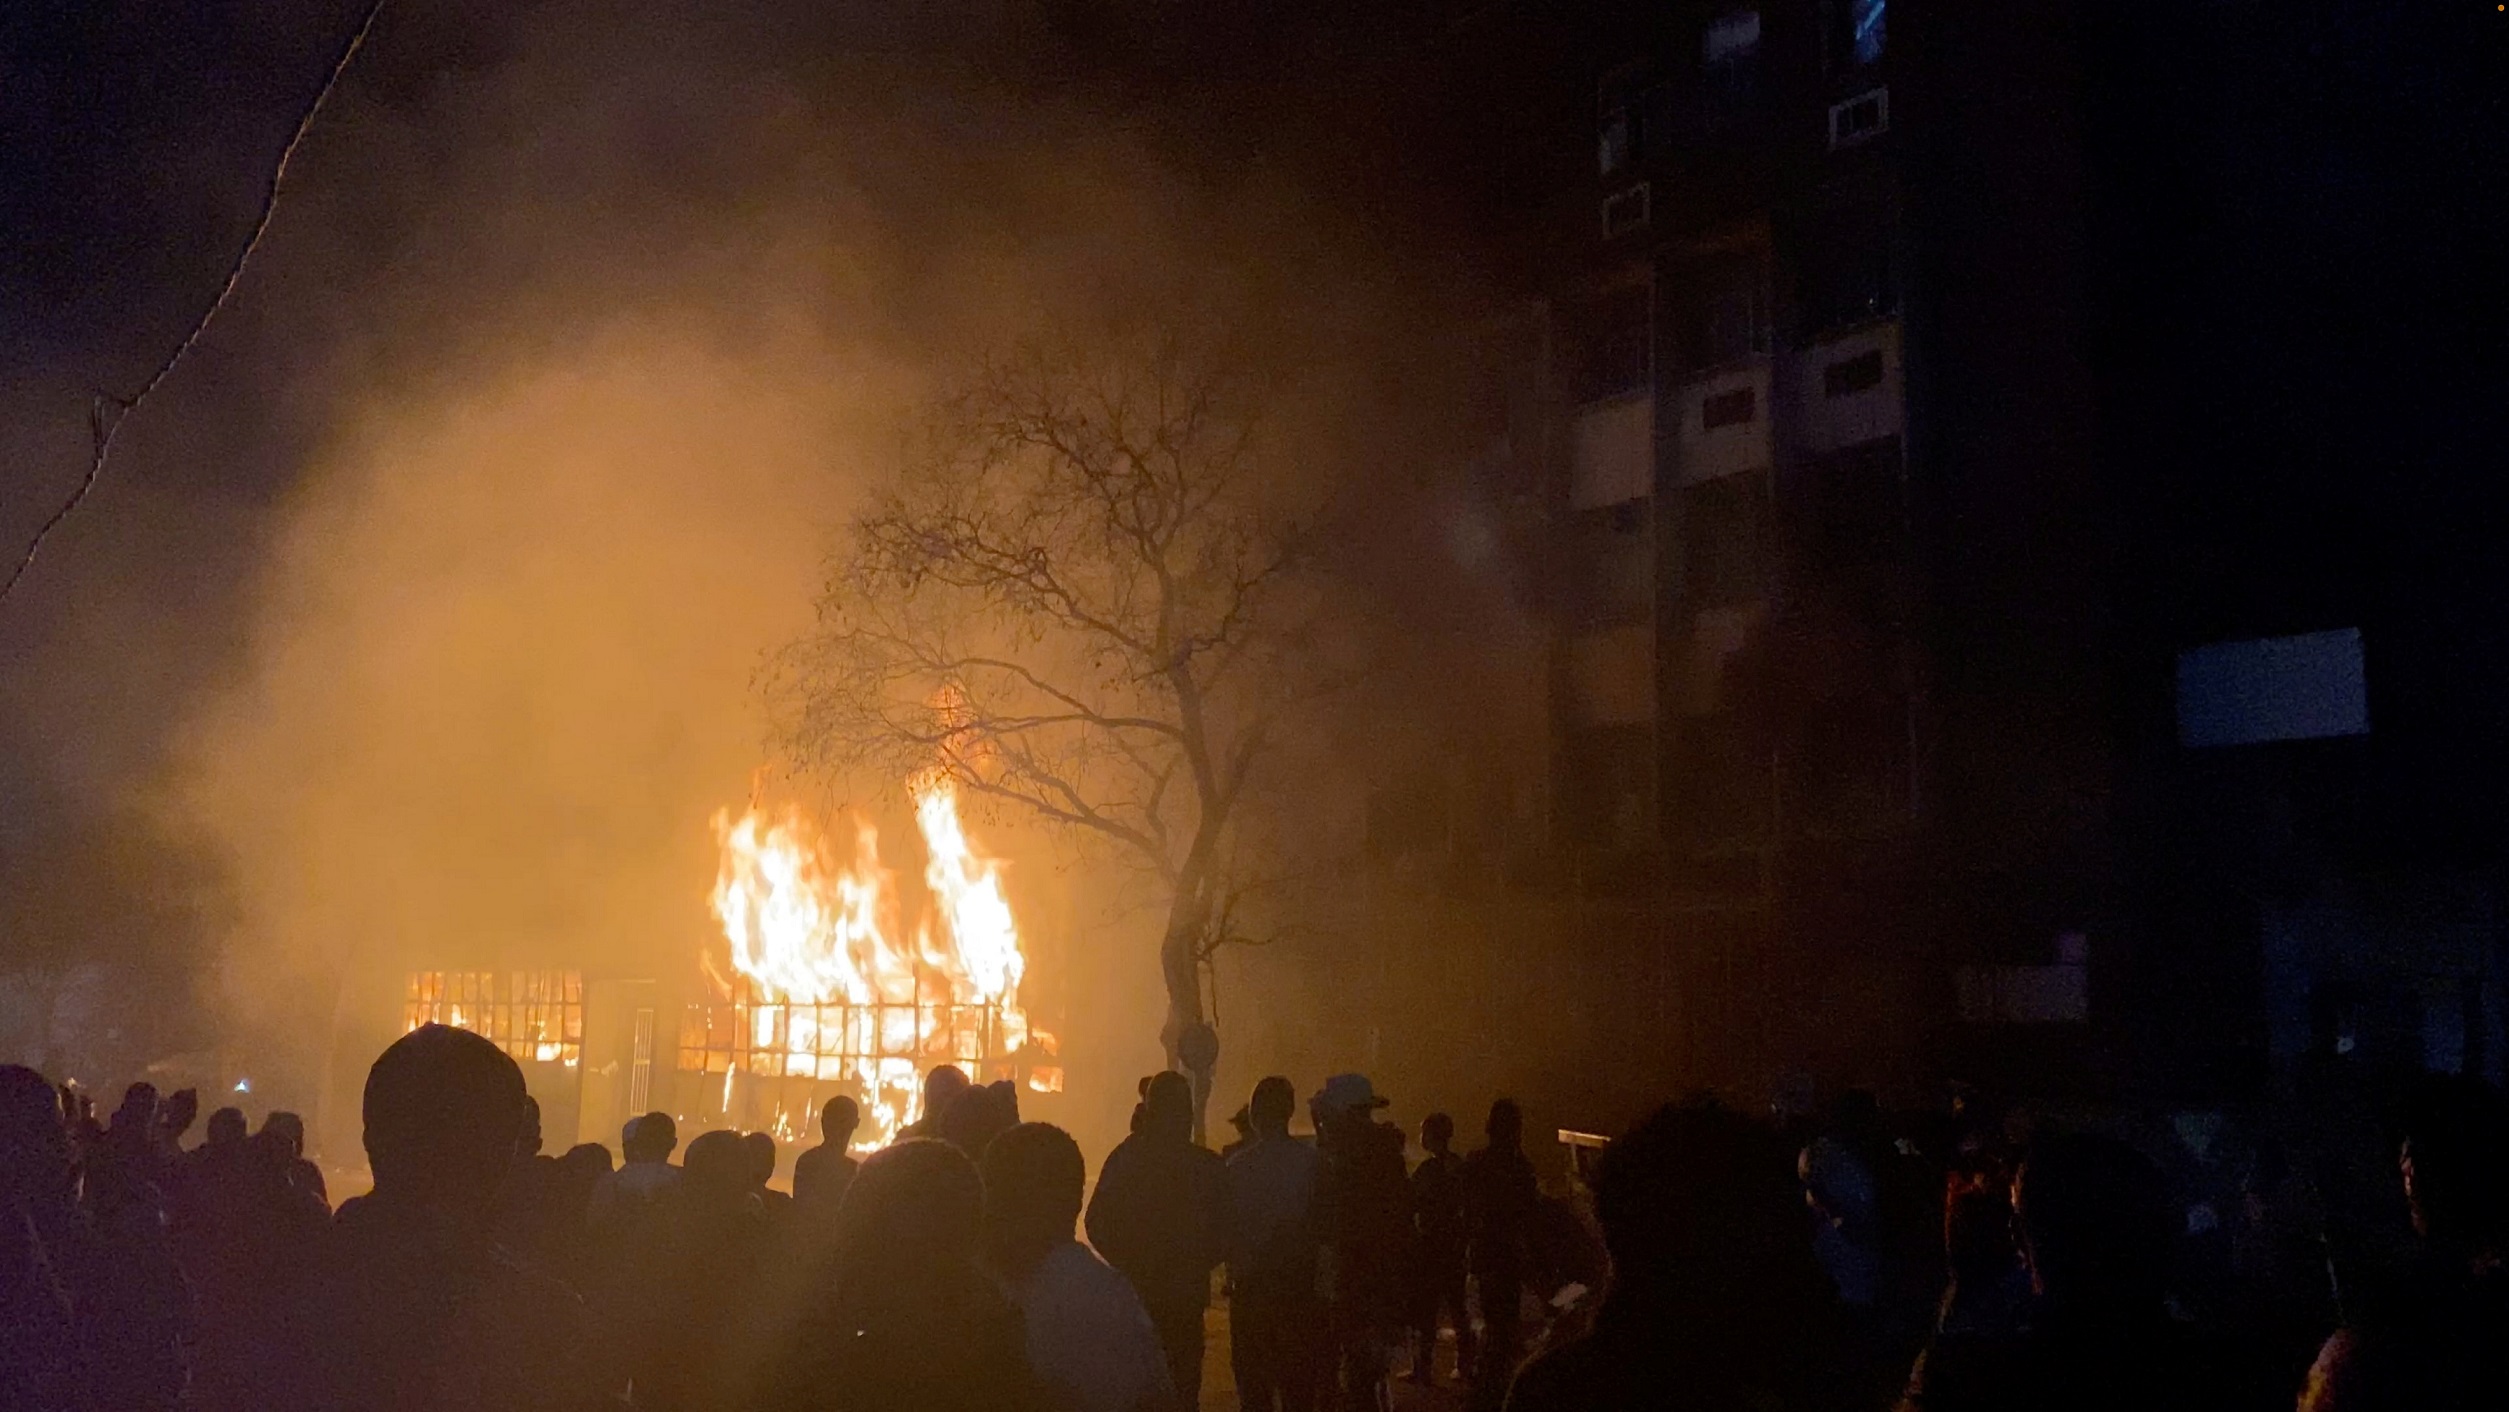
<point x="1086" y="601"/>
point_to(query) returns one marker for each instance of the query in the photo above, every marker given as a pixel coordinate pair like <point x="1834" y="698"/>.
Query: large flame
<point x="832" y="994"/>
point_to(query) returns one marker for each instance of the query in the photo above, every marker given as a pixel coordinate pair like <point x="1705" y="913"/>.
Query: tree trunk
<point x="1180" y="956"/>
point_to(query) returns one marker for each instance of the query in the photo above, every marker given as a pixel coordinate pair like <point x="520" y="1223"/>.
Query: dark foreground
<point x="1939" y="1264"/>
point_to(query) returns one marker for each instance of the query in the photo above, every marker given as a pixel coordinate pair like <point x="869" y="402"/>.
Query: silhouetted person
<point x="248" y="1232"/>
<point x="1275" y="1320"/>
<point x="174" y="1119"/>
<point x="283" y="1137"/>
<point x="2096" y="1228"/>
<point x="1440" y="1243"/>
<point x="1160" y="1215"/>
<point x="530" y="1219"/>
<point x="44" y="1251"/>
<point x="121" y="1166"/>
<point x="223" y="1143"/>
<point x="777" y="1206"/>
<point x="1363" y="1219"/>
<point x="132" y="1131"/>
<point x="910" y="1321"/>
<point x="1500" y="1198"/>
<point x="416" y="1307"/>
<point x="705" y="1256"/>
<point x="976" y="1115"/>
<point x="941" y="1088"/>
<point x="1715" y="1300"/>
<point x="1089" y="1340"/>
<point x="568" y="1249"/>
<point x="2442" y="1343"/>
<point x="1241" y="1125"/>
<point x="821" y="1174"/>
<point x="645" y="1174"/>
<point x="134" y="1309"/>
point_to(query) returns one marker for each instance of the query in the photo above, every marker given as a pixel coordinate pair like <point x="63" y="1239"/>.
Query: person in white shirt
<point x="1089" y="1339"/>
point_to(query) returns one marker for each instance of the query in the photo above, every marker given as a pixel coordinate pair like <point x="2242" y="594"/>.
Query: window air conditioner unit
<point x="1865" y="116"/>
<point x="1626" y="211"/>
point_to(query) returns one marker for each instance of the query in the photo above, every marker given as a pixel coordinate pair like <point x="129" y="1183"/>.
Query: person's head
<point x="1275" y="1099"/>
<point x="442" y="1107"/>
<point x="1033" y="1176"/>
<point x="226" y="1127"/>
<point x="1696" y="1198"/>
<point x="839" y="1121"/>
<point x="1505" y="1127"/>
<point x="1167" y="1107"/>
<point x="527" y="1142"/>
<point x="1437" y="1133"/>
<point x="139" y="1108"/>
<point x="762" y="1156"/>
<point x="975" y="1117"/>
<point x="175" y="1118"/>
<point x="1346" y="1103"/>
<point x="286" y="1132"/>
<point x="586" y="1161"/>
<point x="717" y="1164"/>
<point x="2455" y="1163"/>
<point x="1242" y="1122"/>
<point x="941" y="1088"/>
<point x="914" y="1214"/>
<point x="649" y="1138"/>
<point x="2095" y="1226"/>
<point x="34" y="1143"/>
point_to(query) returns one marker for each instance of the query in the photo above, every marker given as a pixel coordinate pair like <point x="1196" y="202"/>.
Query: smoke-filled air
<point x="574" y="383"/>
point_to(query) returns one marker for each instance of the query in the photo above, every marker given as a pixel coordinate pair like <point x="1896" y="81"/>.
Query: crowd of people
<point x="1708" y="1259"/>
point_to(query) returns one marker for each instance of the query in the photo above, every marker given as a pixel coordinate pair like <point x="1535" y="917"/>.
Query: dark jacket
<point x="1160" y="1215"/>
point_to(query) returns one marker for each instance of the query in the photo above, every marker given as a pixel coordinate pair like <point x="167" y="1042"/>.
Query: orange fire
<point x="833" y="993"/>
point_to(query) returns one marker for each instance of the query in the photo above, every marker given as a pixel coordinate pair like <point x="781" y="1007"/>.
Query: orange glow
<point x="822" y="988"/>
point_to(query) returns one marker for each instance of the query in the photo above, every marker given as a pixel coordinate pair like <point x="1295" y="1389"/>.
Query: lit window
<point x="536" y="1016"/>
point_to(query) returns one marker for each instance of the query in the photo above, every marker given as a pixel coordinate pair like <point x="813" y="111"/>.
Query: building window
<point x="1721" y="315"/>
<point x="1722" y="547"/>
<point x="1848" y="376"/>
<point x="1729" y="409"/>
<point x="536" y="1016"/>
<point x="1609" y="346"/>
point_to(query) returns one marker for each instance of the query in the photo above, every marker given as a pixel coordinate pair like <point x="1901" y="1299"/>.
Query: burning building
<point x="818" y="986"/>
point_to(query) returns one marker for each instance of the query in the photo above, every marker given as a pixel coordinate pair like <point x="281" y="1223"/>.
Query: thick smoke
<point x="422" y="623"/>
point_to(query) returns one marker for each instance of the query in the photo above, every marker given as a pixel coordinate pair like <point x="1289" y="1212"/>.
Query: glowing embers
<point x="536" y="1016"/>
